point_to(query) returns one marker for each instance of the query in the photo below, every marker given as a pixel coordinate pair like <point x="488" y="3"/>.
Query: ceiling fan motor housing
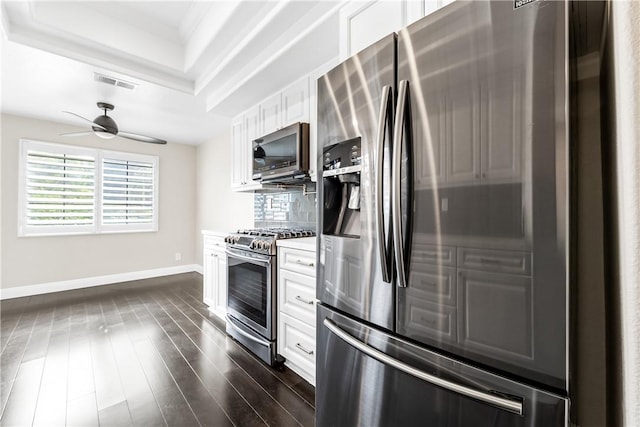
<point x="107" y="123"/>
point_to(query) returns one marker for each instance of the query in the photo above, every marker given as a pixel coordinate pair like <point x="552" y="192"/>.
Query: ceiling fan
<point x="105" y="127"/>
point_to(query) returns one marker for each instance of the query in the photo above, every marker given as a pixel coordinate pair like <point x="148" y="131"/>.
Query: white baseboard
<point x="67" y="285"/>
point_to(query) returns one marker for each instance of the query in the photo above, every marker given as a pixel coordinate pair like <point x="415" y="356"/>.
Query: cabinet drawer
<point x="297" y="343"/>
<point x="424" y="319"/>
<point x="296" y="296"/>
<point x="214" y="241"/>
<point x="432" y="254"/>
<point x="433" y="283"/>
<point x="297" y="260"/>
<point x="499" y="261"/>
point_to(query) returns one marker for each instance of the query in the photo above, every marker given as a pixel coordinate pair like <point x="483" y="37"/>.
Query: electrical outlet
<point x="178" y="256"/>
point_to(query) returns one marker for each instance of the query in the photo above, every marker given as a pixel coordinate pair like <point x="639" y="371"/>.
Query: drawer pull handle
<point x="309" y="352"/>
<point x="489" y="261"/>
<point x="308" y="264"/>
<point x="299" y="298"/>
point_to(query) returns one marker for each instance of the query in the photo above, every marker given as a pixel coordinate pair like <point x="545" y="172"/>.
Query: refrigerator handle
<point x="503" y="403"/>
<point x="386" y="111"/>
<point x="396" y="168"/>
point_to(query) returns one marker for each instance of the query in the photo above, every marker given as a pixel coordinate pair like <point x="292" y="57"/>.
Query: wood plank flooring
<point x="142" y="353"/>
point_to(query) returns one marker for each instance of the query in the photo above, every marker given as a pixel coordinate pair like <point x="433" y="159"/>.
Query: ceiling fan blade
<point x="141" y="138"/>
<point x="84" y="118"/>
<point x="77" y="133"/>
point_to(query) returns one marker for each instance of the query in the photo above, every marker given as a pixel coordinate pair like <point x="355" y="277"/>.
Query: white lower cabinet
<point x="214" y="280"/>
<point x="297" y="343"/>
<point x="297" y="311"/>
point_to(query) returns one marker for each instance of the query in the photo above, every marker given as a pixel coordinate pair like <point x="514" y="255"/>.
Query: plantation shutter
<point x="59" y="191"/>
<point x="65" y="189"/>
<point x="128" y="192"/>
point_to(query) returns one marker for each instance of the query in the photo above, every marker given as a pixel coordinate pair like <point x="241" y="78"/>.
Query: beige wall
<point x="36" y="260"/>
<point x="218" y="208"/>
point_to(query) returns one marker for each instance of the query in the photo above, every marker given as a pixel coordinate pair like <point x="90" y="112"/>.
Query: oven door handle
<point x="230" y="321"/>
<point x="248" y="258"/>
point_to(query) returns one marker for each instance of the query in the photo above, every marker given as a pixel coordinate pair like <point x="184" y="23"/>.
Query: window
<point x="65" y="189"/>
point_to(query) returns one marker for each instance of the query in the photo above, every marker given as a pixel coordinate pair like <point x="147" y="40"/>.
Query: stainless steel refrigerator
<point x="447" y="218"/>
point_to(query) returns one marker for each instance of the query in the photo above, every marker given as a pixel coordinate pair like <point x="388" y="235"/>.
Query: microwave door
<point x="281" y="153"/>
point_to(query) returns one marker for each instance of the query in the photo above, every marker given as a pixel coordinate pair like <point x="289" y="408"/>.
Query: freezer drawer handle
<point x="500" y="402"/>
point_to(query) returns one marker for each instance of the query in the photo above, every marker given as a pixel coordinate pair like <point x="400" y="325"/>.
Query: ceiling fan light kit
<point x="105" y="127"/>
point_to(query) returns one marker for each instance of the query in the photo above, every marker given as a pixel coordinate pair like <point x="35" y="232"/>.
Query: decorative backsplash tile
<point x="291" y="208"/>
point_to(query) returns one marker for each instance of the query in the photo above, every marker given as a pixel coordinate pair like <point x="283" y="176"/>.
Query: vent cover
<point x="114" y="81"/>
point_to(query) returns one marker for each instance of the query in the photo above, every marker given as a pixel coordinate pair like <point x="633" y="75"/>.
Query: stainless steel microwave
<point x="282" y="156"/>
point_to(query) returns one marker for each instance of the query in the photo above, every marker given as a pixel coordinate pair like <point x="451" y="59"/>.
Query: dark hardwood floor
<point x="143" y="353"/>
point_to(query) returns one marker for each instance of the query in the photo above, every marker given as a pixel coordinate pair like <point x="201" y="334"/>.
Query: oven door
<point x="250" y="290"/>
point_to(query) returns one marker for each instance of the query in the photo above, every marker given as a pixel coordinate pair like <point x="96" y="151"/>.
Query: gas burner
<point x="262" y="240"/>
<point x="278" y="232"/>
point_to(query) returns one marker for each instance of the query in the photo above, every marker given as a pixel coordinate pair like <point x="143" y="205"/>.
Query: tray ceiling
<point x="195" y="63"/>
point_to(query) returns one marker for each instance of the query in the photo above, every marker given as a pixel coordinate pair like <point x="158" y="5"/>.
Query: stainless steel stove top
<point x="262" y="240"/>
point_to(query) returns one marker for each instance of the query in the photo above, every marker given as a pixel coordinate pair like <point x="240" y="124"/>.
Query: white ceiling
<point x="195" y="63"/>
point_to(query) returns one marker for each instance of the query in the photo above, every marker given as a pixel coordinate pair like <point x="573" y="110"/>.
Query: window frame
<point x="98" y="155"/>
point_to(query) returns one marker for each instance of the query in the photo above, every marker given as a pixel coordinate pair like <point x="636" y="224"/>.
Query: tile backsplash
<point x="291" y="208"/>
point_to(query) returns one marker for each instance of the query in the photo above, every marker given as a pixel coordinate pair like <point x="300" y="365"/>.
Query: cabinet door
<point x="463" y="129"/>
<point x="251" y="125"/>
<point x="297" y="343"/>
<point x="208" y="277"/>
<point x="238" y="152"/>
<point x="270" y="114"/>
<point x="313" y="115"/>
<point x="430" y="156"/>
<point x="431" y="6"/>
<point x="505" y="332"/>
<point x="503" y="110"/>
<point x="364" y="24"/>
<point x="220" y="291"/>
<point x="295" y="103"/>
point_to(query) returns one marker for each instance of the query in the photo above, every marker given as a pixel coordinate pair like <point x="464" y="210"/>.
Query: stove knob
<point x="266" y="246"/>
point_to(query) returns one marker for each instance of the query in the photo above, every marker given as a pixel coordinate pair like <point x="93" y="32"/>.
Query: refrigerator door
<point x="354" y="151"/>
<point x="361" y="370"/>
<point x="487" y="112"/>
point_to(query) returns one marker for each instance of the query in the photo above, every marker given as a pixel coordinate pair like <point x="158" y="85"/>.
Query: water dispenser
<point x="341" y="183"/>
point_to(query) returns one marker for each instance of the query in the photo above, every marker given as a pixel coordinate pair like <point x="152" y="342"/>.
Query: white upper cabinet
<point x="364" y="23"/>
<point x="313" y="115"/>
<point x="244" y="129"/>
<point x="430" y="6"/>
<point x="271" y="114"/>
<point x="238" y="149"/>
<point x="285" y="108"/>
<point x="295" y="102"/>
<point x="474" y="135"/>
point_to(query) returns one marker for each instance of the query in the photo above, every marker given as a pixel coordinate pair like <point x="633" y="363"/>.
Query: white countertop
<point x="304" y="243"/>
<point x="215" y="233"/>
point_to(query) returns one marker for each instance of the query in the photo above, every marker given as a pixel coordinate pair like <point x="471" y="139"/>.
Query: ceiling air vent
<point x="114" y="82"/>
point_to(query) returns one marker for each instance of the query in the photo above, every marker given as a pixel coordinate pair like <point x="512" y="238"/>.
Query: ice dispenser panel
<point x="341" y="182"/>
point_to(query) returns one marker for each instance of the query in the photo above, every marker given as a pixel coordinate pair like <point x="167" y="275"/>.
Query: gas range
<point x="262" y="240"/>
